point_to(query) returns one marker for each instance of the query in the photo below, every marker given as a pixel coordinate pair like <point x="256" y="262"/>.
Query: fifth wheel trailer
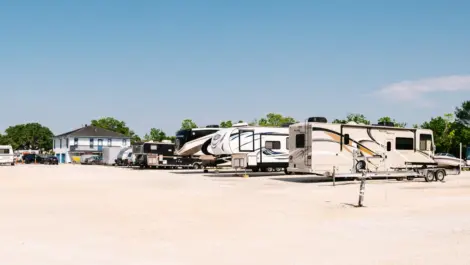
<point x="253" y="147"/>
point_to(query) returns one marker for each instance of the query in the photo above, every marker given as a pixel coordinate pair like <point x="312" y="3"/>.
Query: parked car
<point x="33" y="158"/>
<point x="94" y="160"/>
<point x="51" y="160"/>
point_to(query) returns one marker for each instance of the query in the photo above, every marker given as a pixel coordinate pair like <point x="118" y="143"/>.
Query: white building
<point x="86" y="140"/>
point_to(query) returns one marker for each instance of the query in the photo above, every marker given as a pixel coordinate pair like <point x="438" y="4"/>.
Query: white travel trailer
<point x="347" y="150"/>
<point x="123" y="155"/>
<point x="253" y="147"/>
<point x="7" y="157"/>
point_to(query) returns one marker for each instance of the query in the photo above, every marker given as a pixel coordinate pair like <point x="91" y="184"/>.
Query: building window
<point x="425" y="141"/>
<point x="389" y="146"/>
<point x="110" y="141"/>
<point x="273" y="145"/>
<point x="75" y="141"/>
<point x="67" y="142"/>
<point x="402" y="143"/>
<point x="124" y="142"/>
<point x="54" y="143"/>
<point x="100" y="142"/>
<point x="300" y="141"/>
<point x="91" y="142"/>
<point x="60" y="143"/>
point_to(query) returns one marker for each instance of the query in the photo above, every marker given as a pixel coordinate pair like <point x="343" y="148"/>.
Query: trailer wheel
<point x="440" y="175"/>
<point x="410" y="178"/>
<point x="196" y="166"/>
<point x="429" y="176"/>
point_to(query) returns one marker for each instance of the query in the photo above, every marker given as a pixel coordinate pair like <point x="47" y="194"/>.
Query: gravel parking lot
<point x="73" y="214"/>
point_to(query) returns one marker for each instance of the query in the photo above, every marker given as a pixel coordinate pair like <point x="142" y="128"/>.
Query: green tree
<point x="275" y="120"/>
<point x="226" y="124"/>
<point x="462" y="114"/>
<point x="115" y="125"/>
<point x="461" y="127"/>
<point x="443" y="131"/>
<point x="355" y="117"/>
<point x="397" y="124"/>
<point x="156" y="135"/>
<point x="188" y="124"/>
<point x="29" y="135"/>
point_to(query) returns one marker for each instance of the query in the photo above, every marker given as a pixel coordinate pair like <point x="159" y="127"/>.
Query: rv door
<point x="308" y="145"/>
<point x="246" y="140"/>
<point x="389" y="154"/>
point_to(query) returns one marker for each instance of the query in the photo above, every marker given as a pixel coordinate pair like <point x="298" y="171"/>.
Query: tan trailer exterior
<point x="349" y="149"/>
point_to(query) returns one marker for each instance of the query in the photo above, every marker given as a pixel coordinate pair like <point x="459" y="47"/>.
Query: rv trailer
<point x="195" y="144"/>
<point x="7" y="157"/>
<point x="253" y="147"/>
<point x="348" y="150"/>
<point x="160" y="155"/>
<point x="122" y="155"/>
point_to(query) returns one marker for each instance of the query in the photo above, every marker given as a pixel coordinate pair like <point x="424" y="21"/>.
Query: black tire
<point x="440" y="175"/>
<point x="196" y="166"/>
<point x="361" y="165"/>
<point x="429" y="177"/>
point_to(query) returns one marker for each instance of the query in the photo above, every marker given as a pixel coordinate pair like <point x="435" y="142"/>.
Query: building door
<point x="63" y="158"/>
<point x="100" y="144"/>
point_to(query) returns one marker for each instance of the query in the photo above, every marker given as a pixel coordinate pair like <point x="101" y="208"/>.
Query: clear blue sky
<point x="155" y="63"/>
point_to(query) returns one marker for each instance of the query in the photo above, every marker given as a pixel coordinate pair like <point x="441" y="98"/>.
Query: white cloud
<point x="414" y="90"/>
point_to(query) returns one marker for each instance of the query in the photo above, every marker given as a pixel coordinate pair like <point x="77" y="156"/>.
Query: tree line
<point x="450" y="129"/>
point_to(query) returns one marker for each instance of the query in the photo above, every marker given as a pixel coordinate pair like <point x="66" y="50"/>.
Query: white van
<point x="7" y="157"/>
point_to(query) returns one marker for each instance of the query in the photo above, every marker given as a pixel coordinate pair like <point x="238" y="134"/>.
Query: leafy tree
<point x="226" y="124"/>
<point x="30" y="135"/>
<point x="444" y="134"/>
<point x="188" y="124"/>
<point x="112" y="124"/>
<point x="115" y="125"/>
<point x="3" y="140"/>
<point x="397" y="124"/>
<point x="355" y="117"/>
<point x="462" y="114"/>
<point x="275" y="120"/>
<point x="156" y="135"/>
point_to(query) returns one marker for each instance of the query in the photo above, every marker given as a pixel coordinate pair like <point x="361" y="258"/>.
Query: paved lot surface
<point x="71" y="214"/>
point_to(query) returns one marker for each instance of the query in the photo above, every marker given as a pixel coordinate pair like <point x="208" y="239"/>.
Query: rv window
<point x="4" y="151"/>
<point x="425" y="141"/>
<point x="273" y="145"/>
<point x="287" y="143"/>
<point x="389" y="146"/>
<point x="300" y="141"/>
<point x="153" y="147"/>
<point x="402" y="143"/>
<point x="346" y="139"/>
